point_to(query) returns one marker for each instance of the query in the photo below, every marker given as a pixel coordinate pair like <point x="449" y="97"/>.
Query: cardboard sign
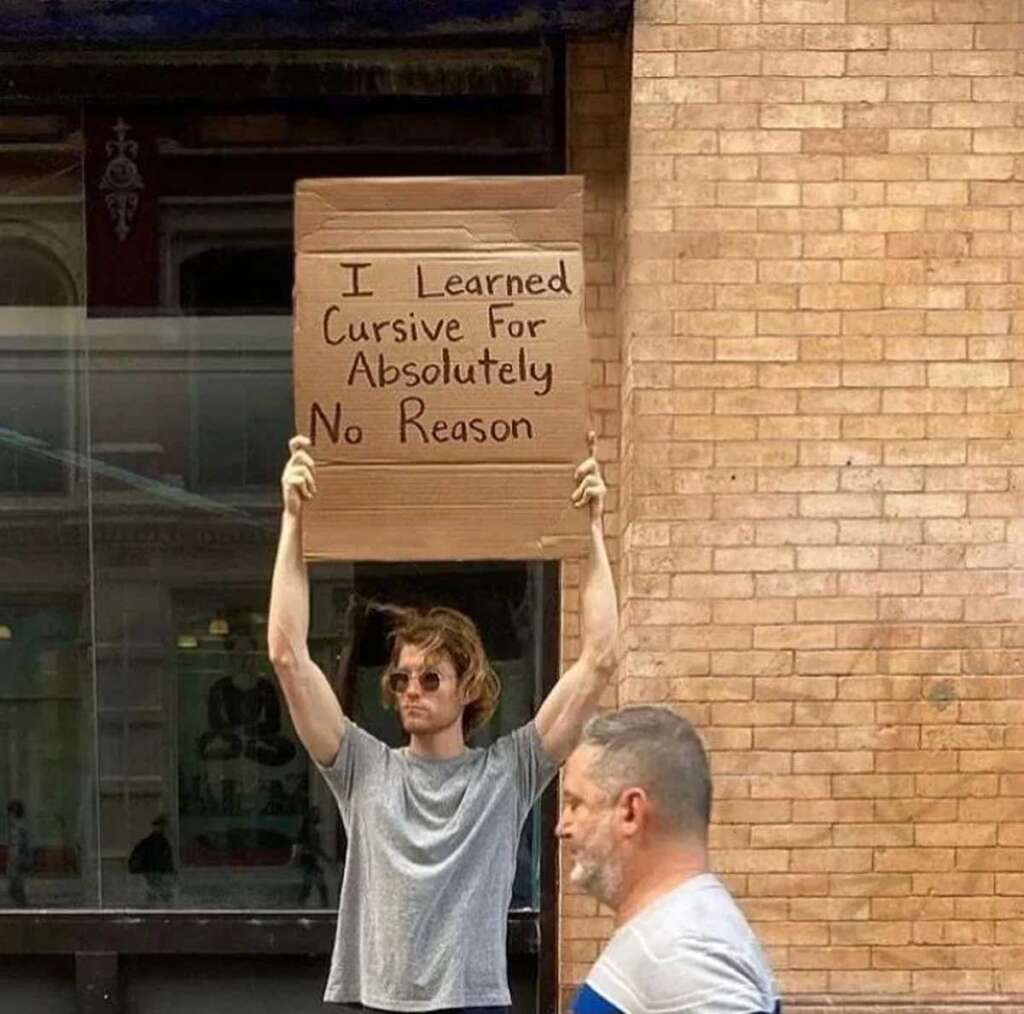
<point x="440" y="366"/>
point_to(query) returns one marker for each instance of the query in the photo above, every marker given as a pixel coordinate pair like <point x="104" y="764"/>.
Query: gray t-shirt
<point x="428" y="876"/>
<point x="690" y="952"/>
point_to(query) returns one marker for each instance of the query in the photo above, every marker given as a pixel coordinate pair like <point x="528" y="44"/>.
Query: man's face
<point x="587" y="826"/>
<point x="424" y="712"/>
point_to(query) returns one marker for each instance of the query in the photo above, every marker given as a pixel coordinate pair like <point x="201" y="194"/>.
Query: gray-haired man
<point x="636" y="806"/>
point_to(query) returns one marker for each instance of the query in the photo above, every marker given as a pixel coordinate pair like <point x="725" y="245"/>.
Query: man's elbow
<point x="283" y="661"/>
<point x="606" y="664"/>
<point x="287" y="654"/>
<point x="603" y="658"/>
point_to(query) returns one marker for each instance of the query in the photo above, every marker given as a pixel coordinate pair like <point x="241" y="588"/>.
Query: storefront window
<point x="45" y="736"/>
<point x="48" y="783"/>
<point x="147" y="760"/>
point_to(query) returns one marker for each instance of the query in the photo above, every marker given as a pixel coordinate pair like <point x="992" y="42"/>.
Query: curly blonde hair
<point x="440" y="629"/>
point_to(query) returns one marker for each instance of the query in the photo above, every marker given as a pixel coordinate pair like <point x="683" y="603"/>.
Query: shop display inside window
<point x="45" y="799"/>
<point x="244" y="795"/>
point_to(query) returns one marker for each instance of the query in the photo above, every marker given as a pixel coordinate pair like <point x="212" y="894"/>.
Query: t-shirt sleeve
<point x="532" y="768"/>
<point x="360" y="758"/>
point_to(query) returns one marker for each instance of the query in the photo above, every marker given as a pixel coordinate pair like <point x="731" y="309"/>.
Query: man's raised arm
<point x="575" y="697"/>
<point x="314" y="708"/>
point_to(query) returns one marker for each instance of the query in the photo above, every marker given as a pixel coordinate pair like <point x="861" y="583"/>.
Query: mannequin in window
<point x="244" y="714"/>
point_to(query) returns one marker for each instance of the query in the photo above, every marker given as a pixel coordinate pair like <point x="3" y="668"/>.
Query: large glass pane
<point x="203" y="785"/>
<point x="47" y="744"/>
<point x="205" y="798"/>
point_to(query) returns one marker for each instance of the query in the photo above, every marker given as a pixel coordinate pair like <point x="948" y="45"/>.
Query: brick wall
<point x="821" y="517"/>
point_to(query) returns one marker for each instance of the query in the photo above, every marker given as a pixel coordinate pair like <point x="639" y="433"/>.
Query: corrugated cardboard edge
<point x="501" y="196"/>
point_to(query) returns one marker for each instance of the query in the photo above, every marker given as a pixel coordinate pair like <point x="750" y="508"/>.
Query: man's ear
<point x="634" y="812"/>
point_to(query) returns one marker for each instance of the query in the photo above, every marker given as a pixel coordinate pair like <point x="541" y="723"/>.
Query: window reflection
<point x="44" y="690"/>
<point x="48" y="786"/>
<point x="239" y="277"/>
<point x="243" y="778"/>
<point x="32" y="276"/>
<point x="203" y="405"/>
<point x="242" y="421"/>
<point x="33" y="424"/>
<point x="146" y="757"/>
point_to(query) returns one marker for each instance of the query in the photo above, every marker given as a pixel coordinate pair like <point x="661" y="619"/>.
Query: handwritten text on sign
<point x="420" y="350"/>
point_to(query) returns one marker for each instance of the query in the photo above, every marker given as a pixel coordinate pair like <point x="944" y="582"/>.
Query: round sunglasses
<point x="428" y="681"/>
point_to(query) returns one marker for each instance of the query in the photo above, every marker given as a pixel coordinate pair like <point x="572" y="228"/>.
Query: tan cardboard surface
<point x="440" y="366"/>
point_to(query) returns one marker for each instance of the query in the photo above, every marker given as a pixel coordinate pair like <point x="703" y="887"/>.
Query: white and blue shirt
<point x="690" y="952"/>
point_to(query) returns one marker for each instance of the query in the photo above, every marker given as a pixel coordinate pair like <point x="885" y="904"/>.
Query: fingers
<point x="302" y="458"/>
<point x="300" y="477"/>
<point x="589" y="466"/>
<point x="300" y="471"/>
<point x="590" y="482"/>
<point x="590" y="489"/>
<point x="305" y="489"/>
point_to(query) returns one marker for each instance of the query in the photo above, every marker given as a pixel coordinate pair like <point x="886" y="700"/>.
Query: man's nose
<point x="560" y="828"/>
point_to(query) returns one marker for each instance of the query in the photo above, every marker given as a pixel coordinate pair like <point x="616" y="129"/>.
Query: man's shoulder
<point x="361" y="740"/>
<point x="360" y="757"/>
<point x="693" y="940"/>
<point x="702" y="904"/>
<point x="521" y="738"/>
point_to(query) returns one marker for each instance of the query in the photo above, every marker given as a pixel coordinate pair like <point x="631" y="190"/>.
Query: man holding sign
<point x="432" y="827"/>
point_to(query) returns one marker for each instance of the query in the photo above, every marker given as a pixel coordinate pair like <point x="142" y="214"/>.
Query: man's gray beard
<point x="601" y="879"/>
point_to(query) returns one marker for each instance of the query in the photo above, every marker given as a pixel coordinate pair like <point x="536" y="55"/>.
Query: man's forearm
<point x="576" y="696"/>
<point x="599" y="606"/>
<point x="288" y="626"/>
